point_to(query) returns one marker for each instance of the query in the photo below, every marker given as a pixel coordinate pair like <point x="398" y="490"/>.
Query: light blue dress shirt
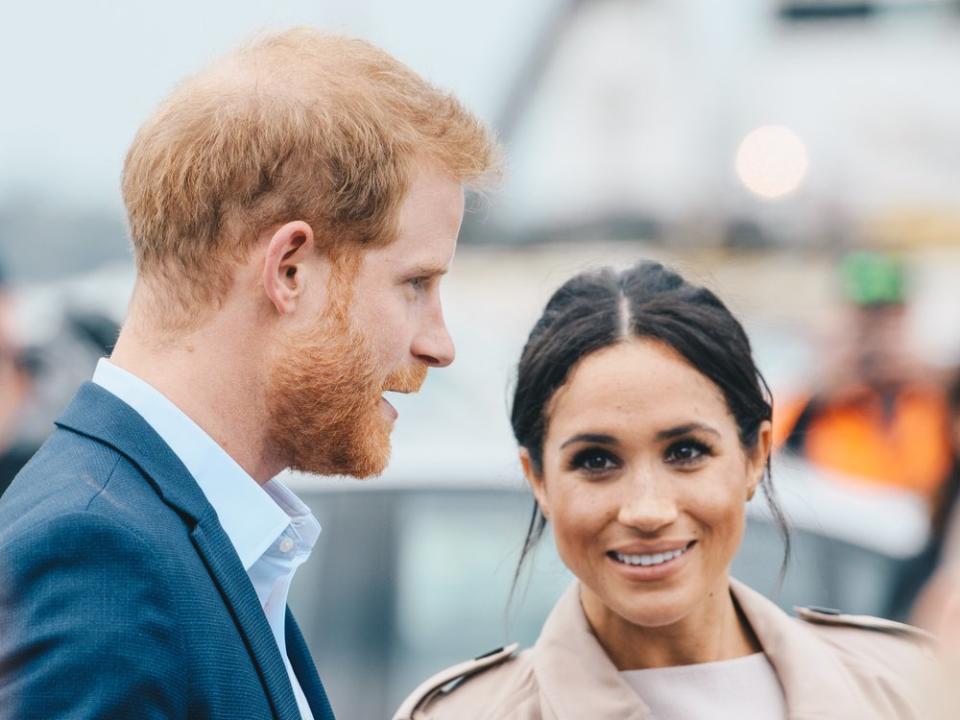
<point x="271" y="529"/>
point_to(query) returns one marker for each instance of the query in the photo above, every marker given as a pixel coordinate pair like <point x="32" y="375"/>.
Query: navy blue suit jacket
<point x="120" y="594"/>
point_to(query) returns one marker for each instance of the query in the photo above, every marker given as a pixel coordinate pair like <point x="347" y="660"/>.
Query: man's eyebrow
<point x="591" y="438"/>
<point x="426" y="270"/>
<point x="685" y="429"/>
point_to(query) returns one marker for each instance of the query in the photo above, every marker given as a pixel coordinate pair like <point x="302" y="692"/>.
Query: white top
<point x="745" y="688"/>
<point x="271" y="529"/>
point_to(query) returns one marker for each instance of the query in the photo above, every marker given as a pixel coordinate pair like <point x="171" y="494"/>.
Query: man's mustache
<point x="406" y="380"/>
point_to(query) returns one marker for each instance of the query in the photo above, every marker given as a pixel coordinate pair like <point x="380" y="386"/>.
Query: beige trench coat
<point x="831" y="666"/>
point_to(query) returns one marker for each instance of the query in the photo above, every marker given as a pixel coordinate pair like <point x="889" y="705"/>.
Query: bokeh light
<point x="772" y="161"/>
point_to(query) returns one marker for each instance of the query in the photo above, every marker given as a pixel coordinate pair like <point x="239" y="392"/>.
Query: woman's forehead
<point x="640" y="382"/>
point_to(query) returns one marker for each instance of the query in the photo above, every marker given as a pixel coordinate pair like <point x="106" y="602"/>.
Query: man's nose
<point x="434" y="346"/>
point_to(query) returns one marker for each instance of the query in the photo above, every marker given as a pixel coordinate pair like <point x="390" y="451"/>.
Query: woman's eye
<point x="686" y="451"/>
<point x="594" y="461"/>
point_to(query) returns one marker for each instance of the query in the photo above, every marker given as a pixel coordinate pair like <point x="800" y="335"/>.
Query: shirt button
<point x="286" y="545"/>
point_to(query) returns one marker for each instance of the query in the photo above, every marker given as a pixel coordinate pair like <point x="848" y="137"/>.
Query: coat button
<point x="286" y="545"/>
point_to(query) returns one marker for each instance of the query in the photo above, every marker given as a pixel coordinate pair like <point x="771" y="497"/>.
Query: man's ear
<point x="536" y="481"/>
<point x="284" y="264"/>
<point x="757" y="460"/>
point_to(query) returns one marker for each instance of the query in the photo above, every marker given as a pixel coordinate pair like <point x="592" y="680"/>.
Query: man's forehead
<point x="428" y="257"/>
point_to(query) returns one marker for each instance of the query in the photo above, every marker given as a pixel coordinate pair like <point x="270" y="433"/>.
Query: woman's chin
<point x="648" y="608"/>
<point x="653" y="615"/>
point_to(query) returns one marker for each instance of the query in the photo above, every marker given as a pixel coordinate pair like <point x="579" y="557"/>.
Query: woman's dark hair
<point x="594" y="310"/>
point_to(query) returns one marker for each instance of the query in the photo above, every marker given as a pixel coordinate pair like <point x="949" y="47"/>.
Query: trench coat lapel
<point x="815" y="682"/>
<point x="99" y="414"/>
<point x="576" y="677"/>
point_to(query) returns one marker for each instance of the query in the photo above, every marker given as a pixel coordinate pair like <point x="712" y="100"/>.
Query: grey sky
<point x="79" y="77"/>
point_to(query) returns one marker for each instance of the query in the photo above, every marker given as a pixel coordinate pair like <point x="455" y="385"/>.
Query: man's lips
<point x="389" y="409"/>
<point x="388" y="406"/>
<point x="402" y="383"/>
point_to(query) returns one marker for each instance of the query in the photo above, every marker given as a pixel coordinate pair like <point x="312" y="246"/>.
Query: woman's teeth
<point x="655" y="559"/>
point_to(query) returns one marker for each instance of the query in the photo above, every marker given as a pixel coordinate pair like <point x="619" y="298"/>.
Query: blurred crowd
<point x="38" y="378"/>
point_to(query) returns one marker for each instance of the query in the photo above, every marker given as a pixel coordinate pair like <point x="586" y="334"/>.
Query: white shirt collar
<point x="252" y="516"/>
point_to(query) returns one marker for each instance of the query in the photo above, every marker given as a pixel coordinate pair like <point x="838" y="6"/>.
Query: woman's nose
<point x="648" y="506"/>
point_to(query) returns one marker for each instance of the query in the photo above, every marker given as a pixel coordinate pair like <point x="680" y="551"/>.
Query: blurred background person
<point x="43" y="358"/>
<point x="14" y="390"/>
<point x="878" y="414"/>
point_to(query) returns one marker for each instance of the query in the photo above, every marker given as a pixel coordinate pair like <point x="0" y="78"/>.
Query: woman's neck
<point x="715" y="630"/>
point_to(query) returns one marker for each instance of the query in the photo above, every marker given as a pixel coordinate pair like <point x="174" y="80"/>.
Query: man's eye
<point x="686" y="451"/>
<point x="594" y="460"/>
<point x="418" y="282"/>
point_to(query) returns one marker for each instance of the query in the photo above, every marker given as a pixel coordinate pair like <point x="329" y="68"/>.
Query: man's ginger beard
<point x="324" y="401"/>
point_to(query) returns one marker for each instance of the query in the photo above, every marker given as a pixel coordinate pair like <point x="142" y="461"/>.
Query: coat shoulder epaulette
<point x="445" y="678"/>
<point x="829" y="616"/>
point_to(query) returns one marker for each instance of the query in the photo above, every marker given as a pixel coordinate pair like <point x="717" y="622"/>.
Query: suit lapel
<point x="306" y="671"/>
<point x="98" y="414"/>
<point x="225" y="567"/>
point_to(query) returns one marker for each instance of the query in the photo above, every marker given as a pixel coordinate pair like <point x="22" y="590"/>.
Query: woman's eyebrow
<point x="686" y="428"/>
<point x="591" y="438"/>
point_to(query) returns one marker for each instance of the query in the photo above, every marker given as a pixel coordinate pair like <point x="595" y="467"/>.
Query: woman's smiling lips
<point x="645" y="563"/>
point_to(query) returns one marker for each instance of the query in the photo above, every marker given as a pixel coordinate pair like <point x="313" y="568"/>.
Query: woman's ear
<point x="535" y="479"/>
<point x="758" y="457"/>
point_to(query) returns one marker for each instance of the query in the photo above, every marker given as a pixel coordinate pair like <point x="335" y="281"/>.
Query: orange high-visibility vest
<point x="905" y="445"/>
